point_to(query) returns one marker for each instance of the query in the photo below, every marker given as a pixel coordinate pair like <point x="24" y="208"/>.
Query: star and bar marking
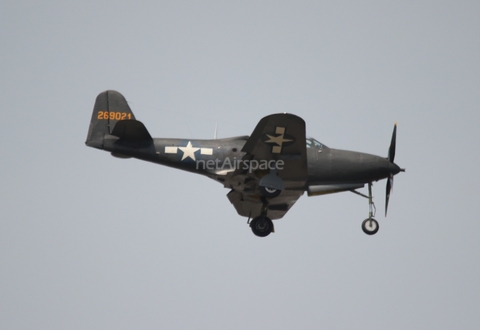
<point x="189" y="151"/>
<point x="278" y="140"/>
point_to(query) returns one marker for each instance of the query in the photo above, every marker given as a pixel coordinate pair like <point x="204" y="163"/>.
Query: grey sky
<point x="90" y="241"/>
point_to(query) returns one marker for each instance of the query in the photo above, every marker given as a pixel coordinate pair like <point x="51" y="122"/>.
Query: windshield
<point x="312" y="143"/>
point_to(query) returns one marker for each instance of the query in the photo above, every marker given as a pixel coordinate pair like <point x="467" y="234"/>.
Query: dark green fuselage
<point x="325" y="165"/>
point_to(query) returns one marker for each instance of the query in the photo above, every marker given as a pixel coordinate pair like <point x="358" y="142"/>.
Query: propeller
<point x="391" y="158"/>
<point x="391" y="150"/>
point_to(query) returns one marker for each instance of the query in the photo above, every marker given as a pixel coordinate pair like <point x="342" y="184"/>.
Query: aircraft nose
<point x="393" y="168"/>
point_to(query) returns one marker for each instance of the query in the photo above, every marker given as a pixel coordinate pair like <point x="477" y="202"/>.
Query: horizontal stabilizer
<point x="131" y="130"/>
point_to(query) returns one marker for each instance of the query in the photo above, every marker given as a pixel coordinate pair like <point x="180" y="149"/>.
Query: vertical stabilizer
<point x="110" y="107"/>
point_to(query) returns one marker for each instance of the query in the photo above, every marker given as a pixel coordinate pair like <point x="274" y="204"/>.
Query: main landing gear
<point x="269" y="192"/>
<point x="270" y="187"/>
<point x="261" y="226"/>
<point x="370" y="225"/>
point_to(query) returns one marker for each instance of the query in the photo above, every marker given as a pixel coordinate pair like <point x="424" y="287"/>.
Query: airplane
<point x="266" y="172"/>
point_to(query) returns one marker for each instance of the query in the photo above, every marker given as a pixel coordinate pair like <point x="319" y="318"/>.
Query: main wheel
<point x="269" y="192"/>
<point x="261" y="226"/>
<point x="370" y="226"/>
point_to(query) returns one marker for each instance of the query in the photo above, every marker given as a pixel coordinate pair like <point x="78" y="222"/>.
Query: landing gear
<point x="271" y="185"/>
<point x="269" y="192"/>
<point x="370" y="226"/>
<point x="261" y="226"/>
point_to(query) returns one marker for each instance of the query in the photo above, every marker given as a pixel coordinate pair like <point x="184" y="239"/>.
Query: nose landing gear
<point x="370" y="226"/>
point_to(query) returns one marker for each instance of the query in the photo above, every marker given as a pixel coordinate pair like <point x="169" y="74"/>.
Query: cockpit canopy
<point x="312" y="143"/>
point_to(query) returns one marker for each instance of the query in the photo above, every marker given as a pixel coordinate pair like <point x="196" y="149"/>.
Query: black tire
<point x="261" y="226"/>
<point x="370" y="226"/>
<point x="269" y="192"/>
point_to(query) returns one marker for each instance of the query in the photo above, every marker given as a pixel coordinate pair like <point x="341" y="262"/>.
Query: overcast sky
<point x="88" y="241"/>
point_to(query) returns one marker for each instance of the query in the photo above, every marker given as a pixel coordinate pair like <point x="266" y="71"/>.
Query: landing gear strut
<point x="262" y="225"/>
<point x="370" y="225"/>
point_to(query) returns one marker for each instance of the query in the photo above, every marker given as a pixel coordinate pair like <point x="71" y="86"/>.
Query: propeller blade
<point x="387" y="194"/>
<point x="391" y="150"/>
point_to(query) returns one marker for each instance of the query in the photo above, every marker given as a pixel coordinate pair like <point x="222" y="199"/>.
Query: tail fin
<point x="110" y="107"/>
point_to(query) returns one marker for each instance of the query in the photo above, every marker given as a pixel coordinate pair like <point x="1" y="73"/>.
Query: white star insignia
<point x="188" y="151"/>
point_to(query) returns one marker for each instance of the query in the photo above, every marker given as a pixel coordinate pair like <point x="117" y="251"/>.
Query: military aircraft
<point x="266" y="172"/>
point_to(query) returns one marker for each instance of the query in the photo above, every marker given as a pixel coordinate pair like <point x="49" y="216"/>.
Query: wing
<point x="248" y="205"/>
<point x="279" y="141"/>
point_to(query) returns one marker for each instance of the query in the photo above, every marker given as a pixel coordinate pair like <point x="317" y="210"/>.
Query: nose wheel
<point x="370" y="226"/>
